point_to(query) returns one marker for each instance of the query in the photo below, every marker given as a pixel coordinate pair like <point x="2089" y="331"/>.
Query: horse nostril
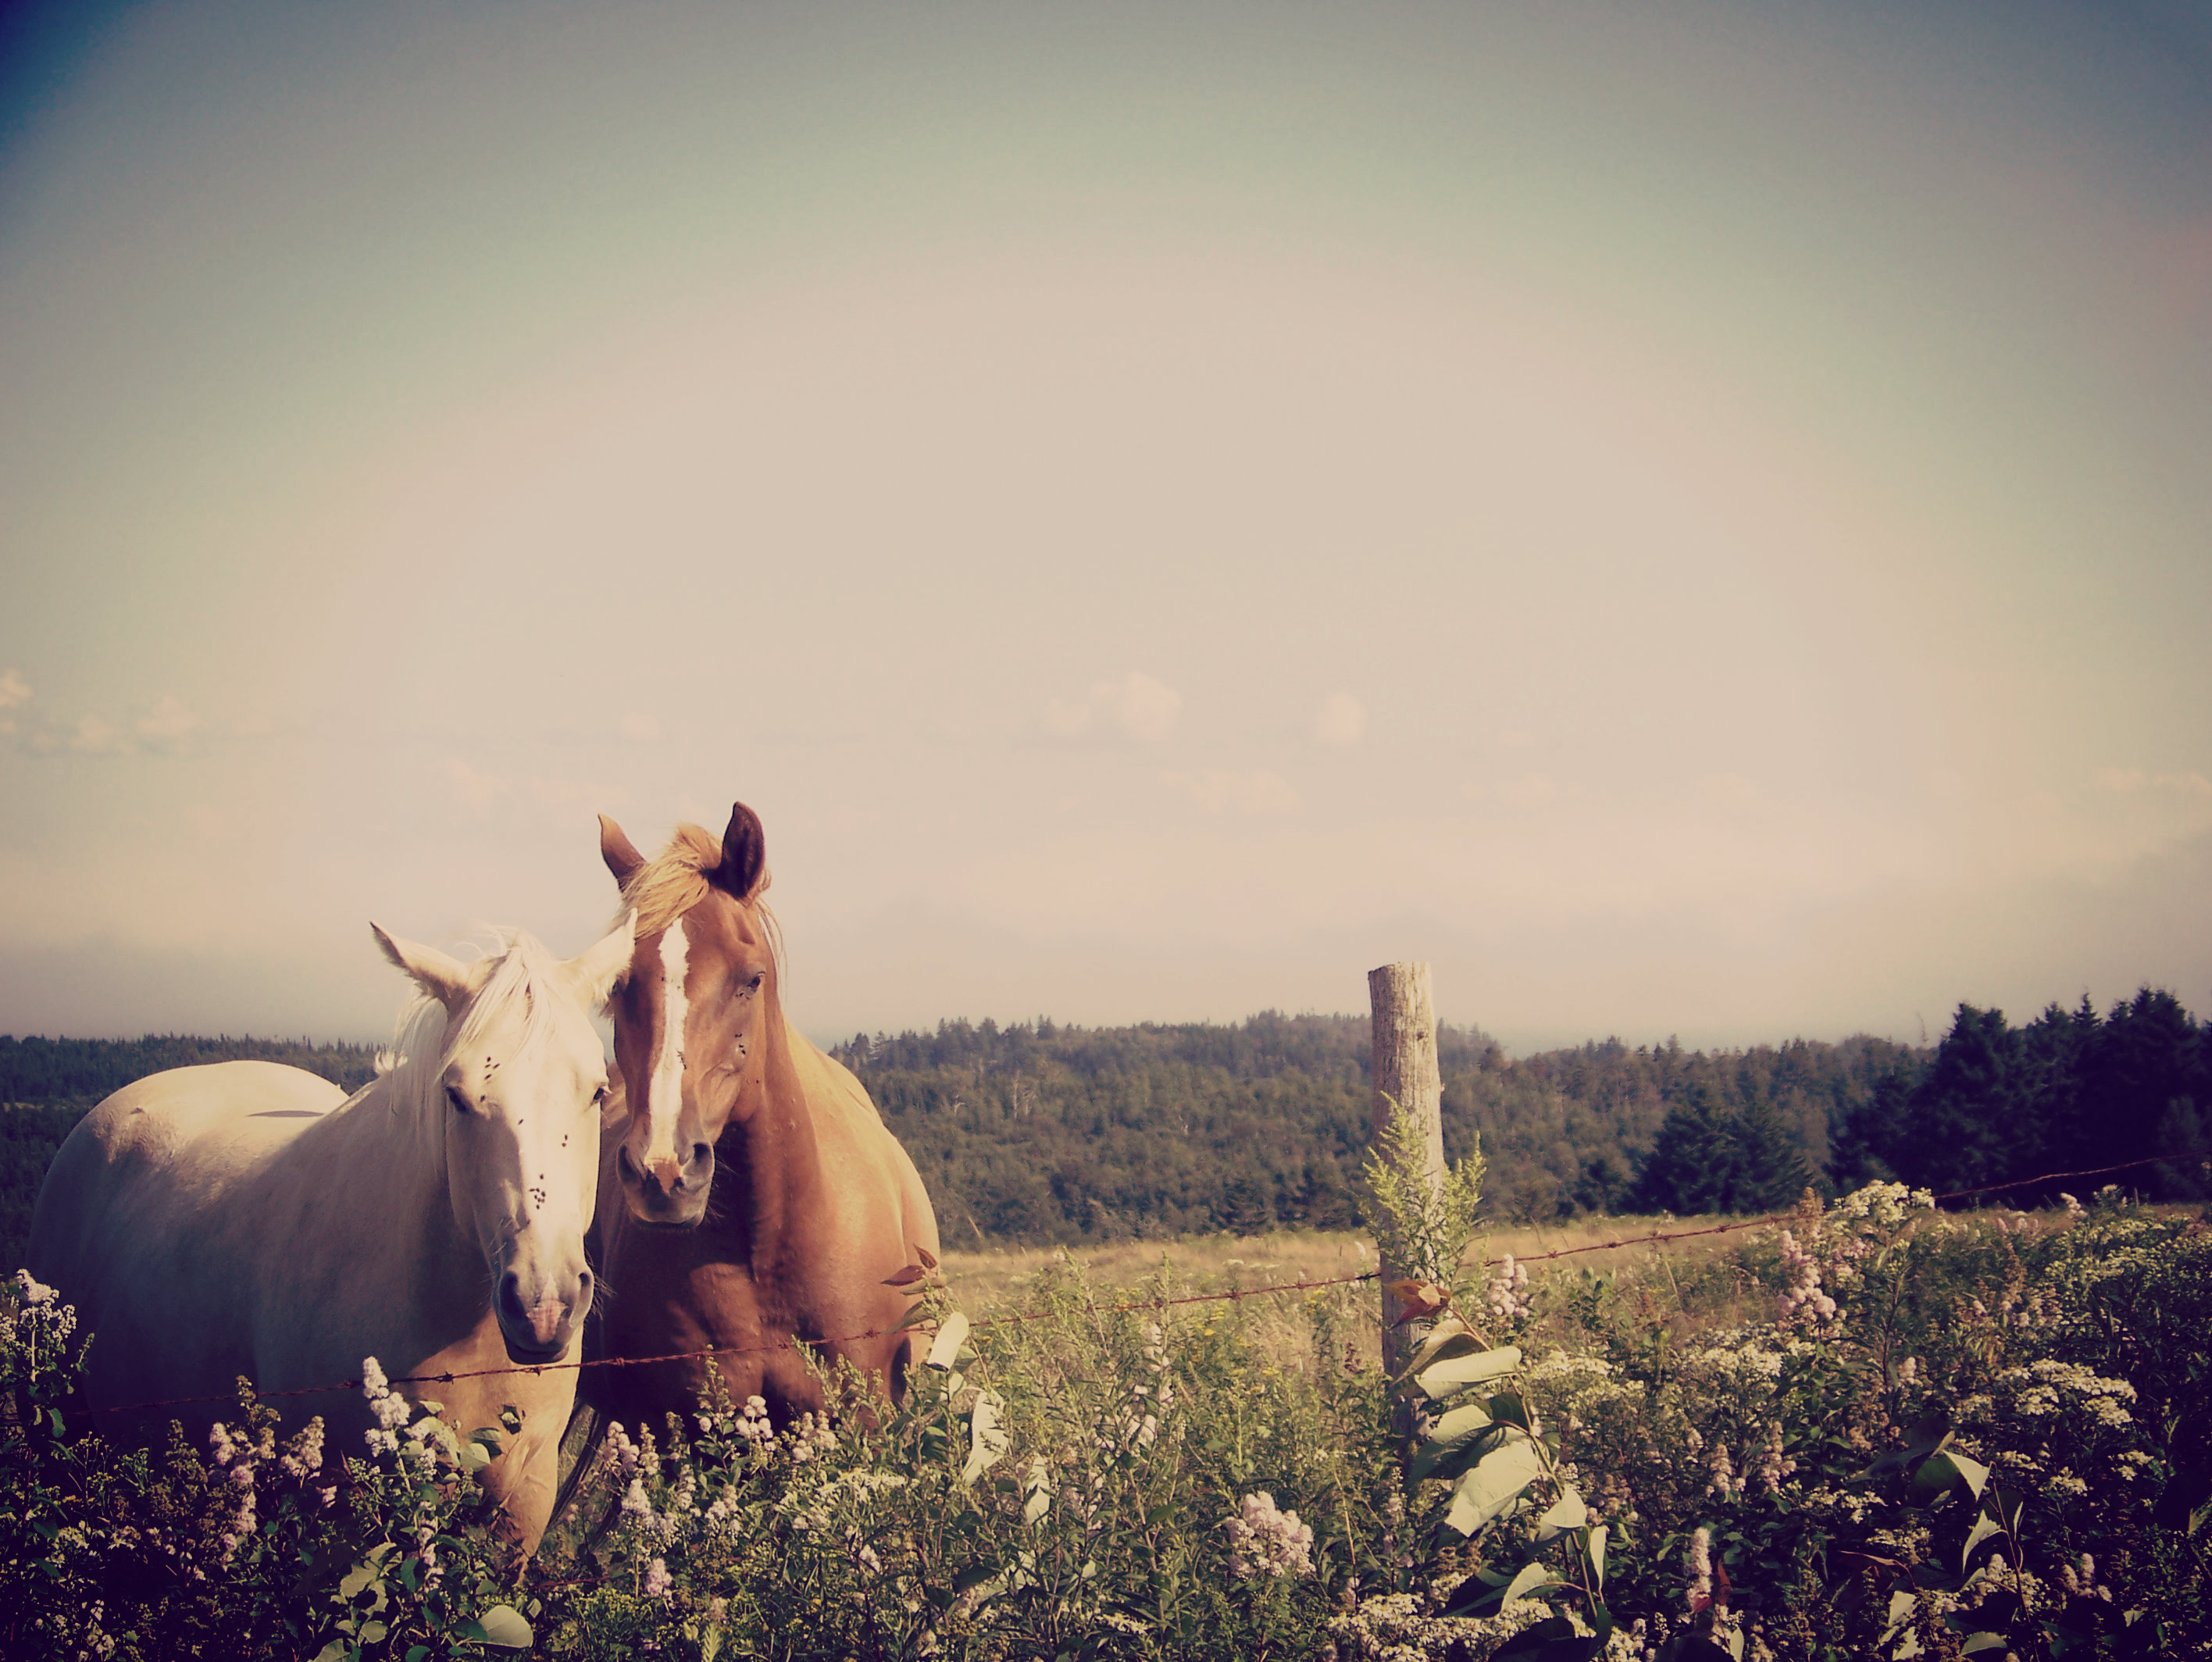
<point x="583" y="1286"/>
<point x="510" y="1294"/>
<point x="701" y="1153"/>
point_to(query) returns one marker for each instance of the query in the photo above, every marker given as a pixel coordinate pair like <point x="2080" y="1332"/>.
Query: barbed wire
<point x="792" y="1342"/>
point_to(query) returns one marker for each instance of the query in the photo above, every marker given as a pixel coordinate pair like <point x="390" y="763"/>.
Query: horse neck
<point x="776" y="1143"/>
<point x="388" y="1145"/>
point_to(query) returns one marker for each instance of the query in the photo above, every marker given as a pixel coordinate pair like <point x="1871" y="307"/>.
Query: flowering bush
<point x="1991" y="1437"/>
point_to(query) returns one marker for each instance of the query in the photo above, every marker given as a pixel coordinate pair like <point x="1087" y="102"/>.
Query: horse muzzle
<point x="538" y="1330"/>
<point x="664" y="1192"/>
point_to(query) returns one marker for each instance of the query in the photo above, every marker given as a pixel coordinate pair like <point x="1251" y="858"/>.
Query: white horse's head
<point x="518" y="1080"/>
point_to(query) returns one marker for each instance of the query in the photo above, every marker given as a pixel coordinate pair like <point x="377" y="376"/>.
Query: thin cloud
<point x="1530" y="791"/>
<point x="1137" y="706"/>
<point x="96" y="736"/>
<point x="475" y="790"/>
<point x="2127" y="781"/>
<point x="1254" y="794"/>
<point x="167" y="725"/>
<point x="14" y="694"/>
<point x="1342" y="719"/>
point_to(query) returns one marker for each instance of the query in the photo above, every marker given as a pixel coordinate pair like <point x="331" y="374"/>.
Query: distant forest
<point x="1049" y="1133"/>
<point x="1037" y="1133"/>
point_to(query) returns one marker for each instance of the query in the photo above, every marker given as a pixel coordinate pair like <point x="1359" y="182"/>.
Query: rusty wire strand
<point x="792" y="1342"/>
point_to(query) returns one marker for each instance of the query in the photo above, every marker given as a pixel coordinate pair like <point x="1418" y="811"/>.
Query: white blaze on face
<point x="665" y="1096"/>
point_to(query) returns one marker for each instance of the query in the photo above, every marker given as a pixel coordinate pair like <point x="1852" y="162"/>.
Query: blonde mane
<point x="674" y="881"/>
<point x="417" y="1056"/>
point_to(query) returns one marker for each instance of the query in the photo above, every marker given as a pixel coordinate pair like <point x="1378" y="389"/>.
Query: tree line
<point x="1035" y="1131"/>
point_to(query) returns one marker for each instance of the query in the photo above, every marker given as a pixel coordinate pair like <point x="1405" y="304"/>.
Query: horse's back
<point x="133" y="1224"/>
<point x="875" y="1159"/>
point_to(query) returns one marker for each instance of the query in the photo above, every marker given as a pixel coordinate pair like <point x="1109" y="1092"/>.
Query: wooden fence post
<point x="1404" y="1071"/>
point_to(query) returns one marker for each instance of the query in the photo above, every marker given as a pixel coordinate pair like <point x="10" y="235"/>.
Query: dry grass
<point x="993" y="1283"/>
<point x="985" y="1282"/>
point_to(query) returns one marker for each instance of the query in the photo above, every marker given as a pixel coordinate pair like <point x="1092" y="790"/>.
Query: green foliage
<point x="1421" y="1222"/>
<point x="1884" y="1428"/>
<point x="1709" y="1159"/>
<point x="260" y="1549"/>
<point x="2067" y="1092"/>
<point x="1037" y="1133"/>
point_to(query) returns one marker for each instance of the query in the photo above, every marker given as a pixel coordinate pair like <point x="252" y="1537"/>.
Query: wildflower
<point x="862" y="1554"/>
<point x="307" y="1452"/>
<point x="390" y="1408"/>
<point x="1804" y="1303"/>
<point x="658" y="1582"/>
<point x="1776" y="1465"/>
<point x="1264" y="1540"/>
<point x="1723" y="1483"/>
<point x="1508" y="1293"/>
<point x="1700" y="1592"/>
<point x="624" y="1450"/>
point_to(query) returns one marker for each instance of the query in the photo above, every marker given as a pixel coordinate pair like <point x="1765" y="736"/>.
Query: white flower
<point x="1700" y="1589"/>
<point x="1264" y="1540"/>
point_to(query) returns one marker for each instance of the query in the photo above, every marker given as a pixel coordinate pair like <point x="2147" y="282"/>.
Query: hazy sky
<point x="1692" y="517"/>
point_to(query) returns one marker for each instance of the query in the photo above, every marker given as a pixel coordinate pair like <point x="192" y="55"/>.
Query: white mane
<point x="516" y="1004"/>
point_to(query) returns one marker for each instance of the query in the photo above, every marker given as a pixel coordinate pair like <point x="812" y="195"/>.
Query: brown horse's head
<point x="696" y="1010"/>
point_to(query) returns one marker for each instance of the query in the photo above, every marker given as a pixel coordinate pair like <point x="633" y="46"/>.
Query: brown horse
<point x="750" y="1198"/>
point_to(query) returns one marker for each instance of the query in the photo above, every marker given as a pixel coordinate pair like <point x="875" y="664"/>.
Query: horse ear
<point x="596" y="970"/>
<point x="446" y="978"/>
<point x="744" y="870"/>
<point x="618" y="851"/>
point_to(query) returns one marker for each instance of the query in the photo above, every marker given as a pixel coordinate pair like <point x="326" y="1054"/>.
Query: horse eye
<point x="600" y="1097"/>
<point x="460" y="1102"/>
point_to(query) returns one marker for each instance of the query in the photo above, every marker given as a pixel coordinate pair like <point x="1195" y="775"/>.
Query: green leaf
<point x="952" y="1333"/>
<point x="917" y="1315"/>
<point x="1567" y="1513"/>
<point x="371" y="1633"/>
<point x="1507" y="1406"/>
<point x="1441" y="1378"/>
<point x="358" y="1577"/>
<point x="1451" y="1337"/>
<point x="1975" y="1643"/>
<point x="1984" y="1527"/>
<point x="474" y="1456"/>
<point x="1901" y="1605"/>
<point x="333" y="1652"/>
<point x="1948" y="1466"/>
<point x="1534" y="1577"/>
<point x="491" y="1436"/>
<point x="1597" y="1556"/>
<point x="1459" y="1423"/>
<point x="988" y="1441"/>
<point x="1493" y="1486"/>
<point x="503" y="1625"/>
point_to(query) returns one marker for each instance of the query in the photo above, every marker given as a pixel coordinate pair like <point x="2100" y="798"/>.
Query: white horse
<point x="242" y="1219"/>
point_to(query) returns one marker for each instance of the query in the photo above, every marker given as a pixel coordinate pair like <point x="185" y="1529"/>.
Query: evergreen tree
<point x="1966" y="1128"/>
<point x="1696" y="1164"/>
<point x="1771" y="1168"/>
